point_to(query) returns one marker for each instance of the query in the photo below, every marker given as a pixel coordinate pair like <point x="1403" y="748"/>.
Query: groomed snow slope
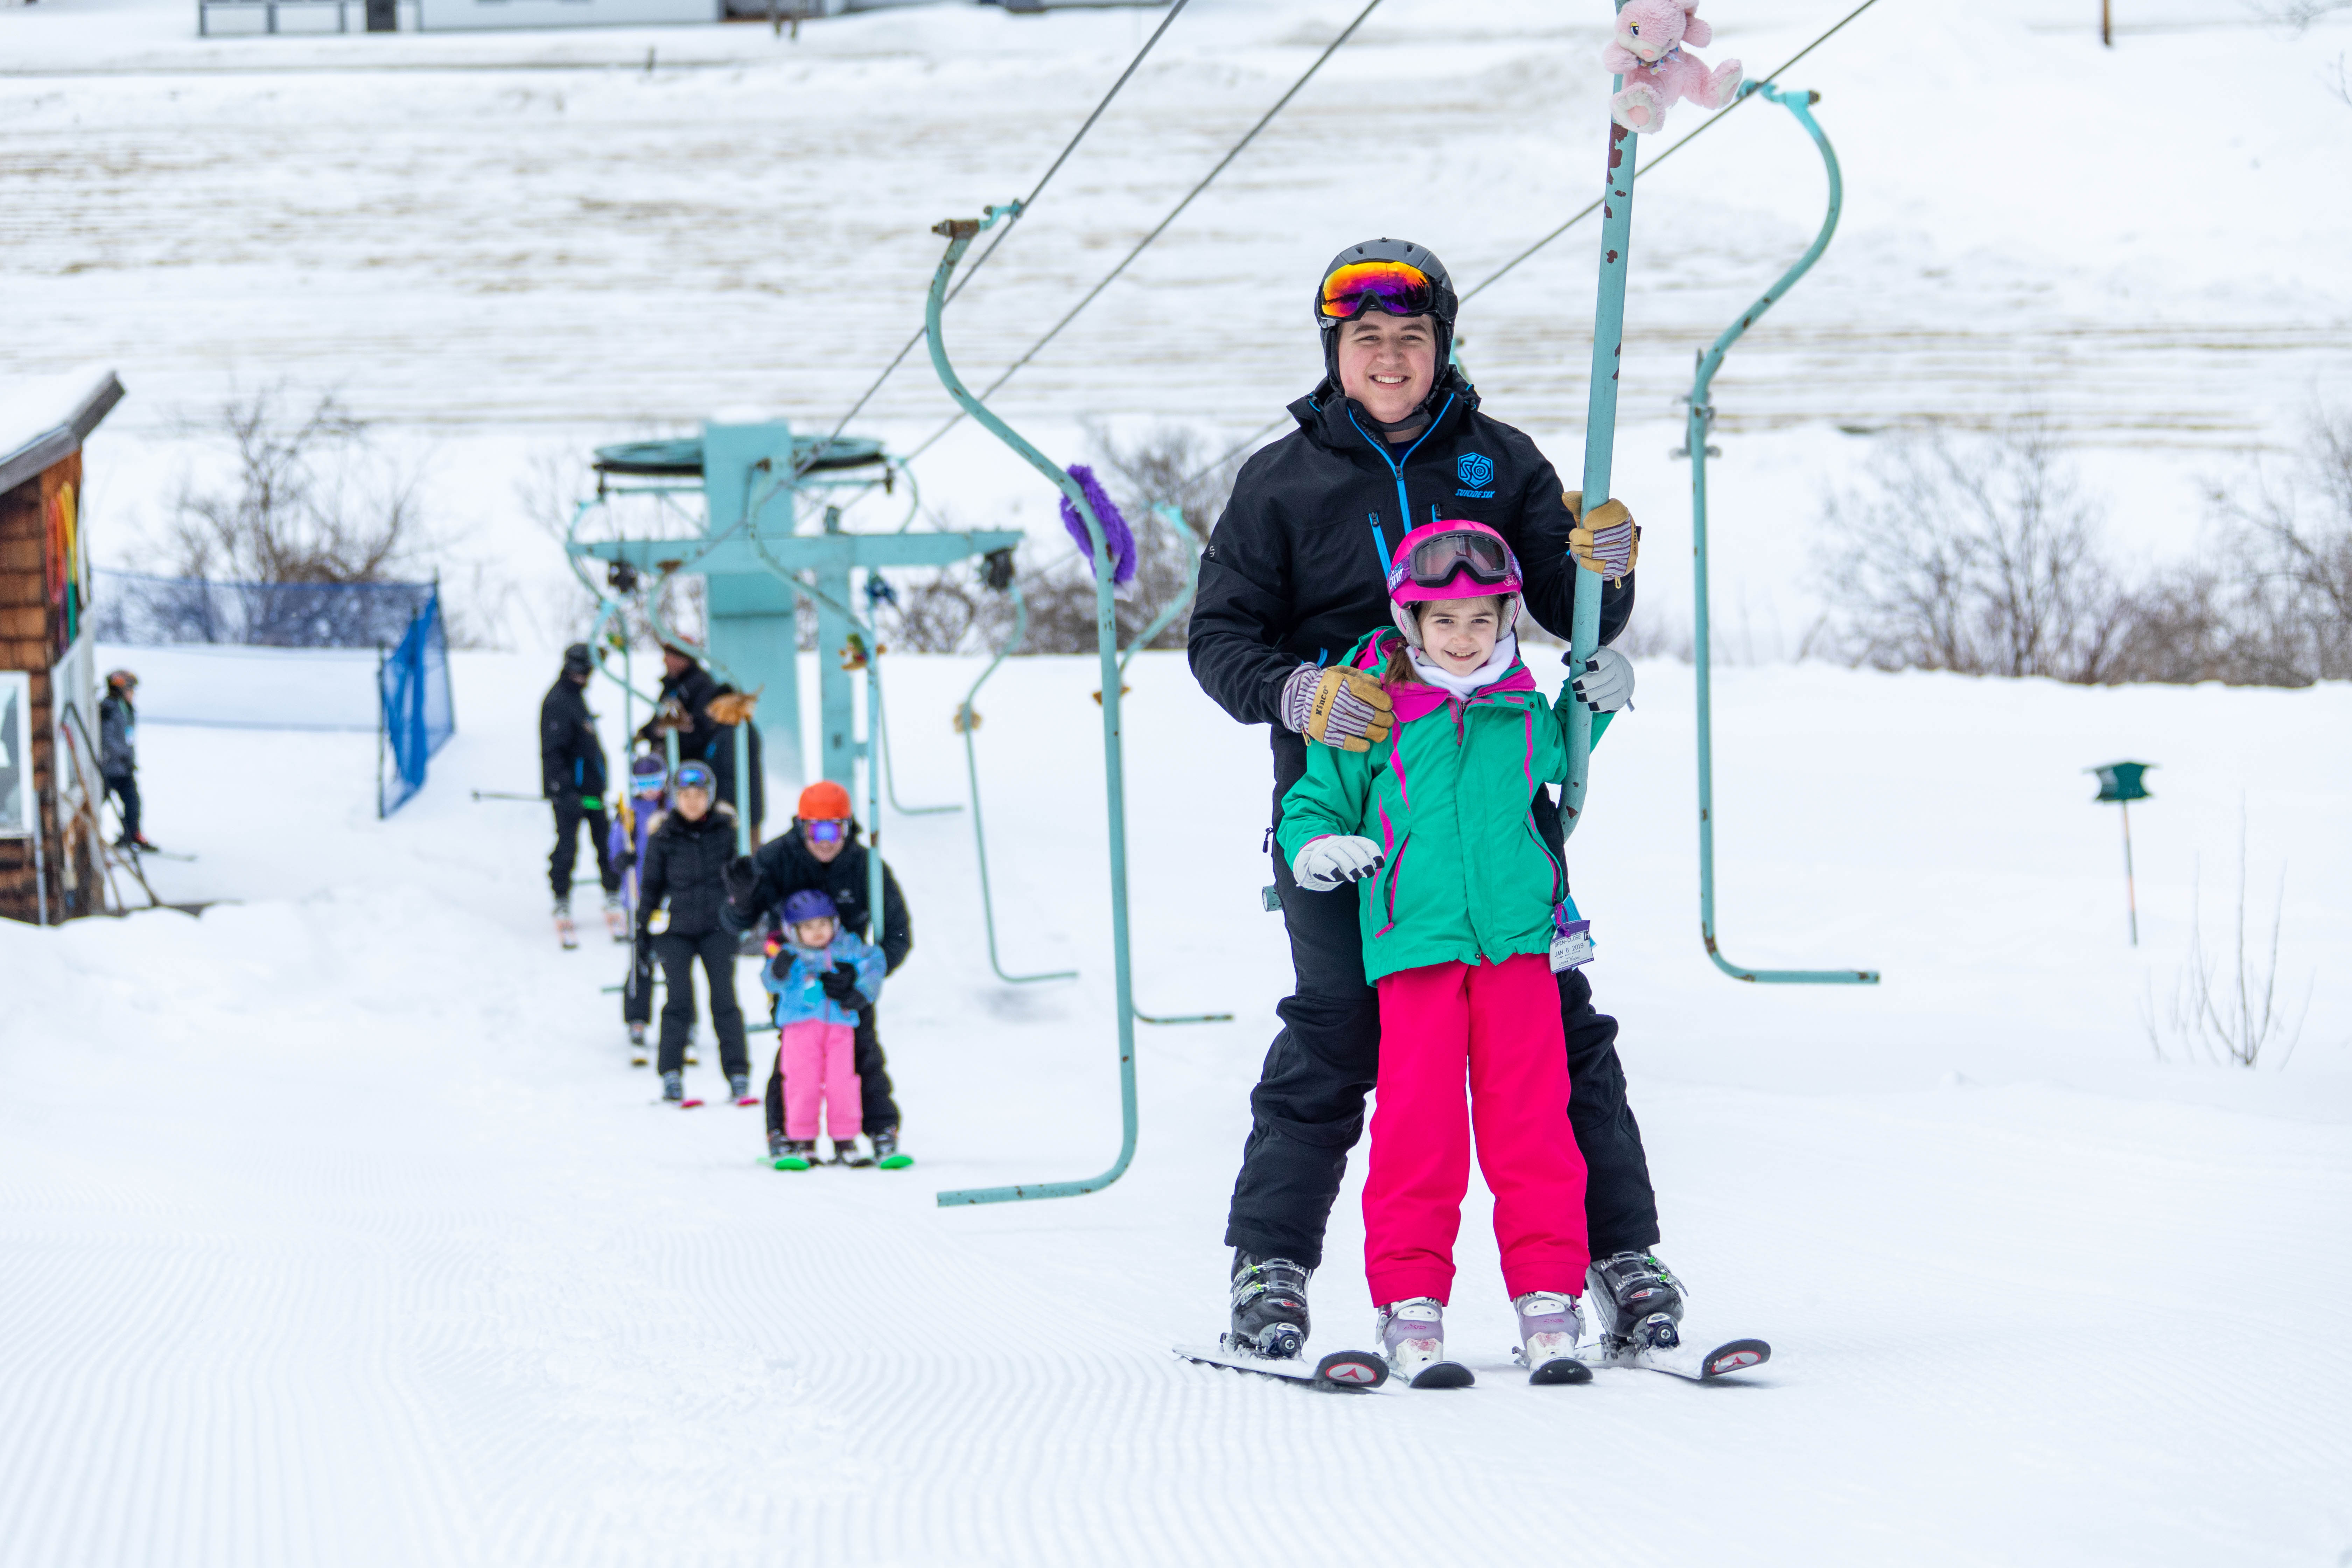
<point x="334" y="1227"/>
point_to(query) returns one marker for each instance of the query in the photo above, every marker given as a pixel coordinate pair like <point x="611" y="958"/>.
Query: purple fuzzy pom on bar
<point x="1116" y="533"/>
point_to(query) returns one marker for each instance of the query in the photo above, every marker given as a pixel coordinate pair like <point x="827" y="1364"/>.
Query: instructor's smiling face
<point x="1388" y="363"/>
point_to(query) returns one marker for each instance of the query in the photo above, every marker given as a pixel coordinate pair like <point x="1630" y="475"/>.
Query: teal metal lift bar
<point x="967" y="720"/>
<point x="1173" y="516"/>
<point x="960" y="233"/>
<point x="1702" y="415"/>
<point x="1599" y="438"/>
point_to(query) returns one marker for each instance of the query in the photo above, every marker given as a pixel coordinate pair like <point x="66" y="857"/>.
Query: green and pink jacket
<point x="1449" y="799"/>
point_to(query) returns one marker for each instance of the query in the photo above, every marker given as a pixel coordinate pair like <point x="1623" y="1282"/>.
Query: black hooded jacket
<point x="705" y="740"/>
<point x="785" y="866"/>
<point x="570" y="758"/>
<point x="1297" y="568"/>
<point x="685" y="862"/>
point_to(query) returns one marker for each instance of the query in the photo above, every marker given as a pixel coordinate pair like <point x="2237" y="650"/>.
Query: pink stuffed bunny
<point x="1647" y="51"/>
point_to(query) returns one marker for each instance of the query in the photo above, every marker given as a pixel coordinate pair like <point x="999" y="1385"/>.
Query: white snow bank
<point x="334" y="1228"/>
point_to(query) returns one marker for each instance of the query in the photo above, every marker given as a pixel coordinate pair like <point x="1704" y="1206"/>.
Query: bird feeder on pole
<point x="2121" y="782"/>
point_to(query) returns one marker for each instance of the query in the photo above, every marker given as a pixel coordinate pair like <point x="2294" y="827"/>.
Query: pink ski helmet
<point x="1451" y="559"/>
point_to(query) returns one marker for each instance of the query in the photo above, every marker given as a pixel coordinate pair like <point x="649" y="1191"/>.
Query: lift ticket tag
<point x="1571" y="942"/>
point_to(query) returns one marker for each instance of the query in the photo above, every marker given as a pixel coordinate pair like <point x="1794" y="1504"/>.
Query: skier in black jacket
<point x="822" y="853"/>
<point x="686" y="864"/>
<point x="687" y="692"/>
<point x="571" y="776"/>
<point x="1294" y="572"/>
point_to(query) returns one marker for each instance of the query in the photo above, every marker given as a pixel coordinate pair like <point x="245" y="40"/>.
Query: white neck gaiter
<point x="1498" y="665"/>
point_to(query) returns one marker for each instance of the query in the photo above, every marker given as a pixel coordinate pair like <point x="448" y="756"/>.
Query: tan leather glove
<point x="1608" y="542"/>
<point x="734" y="707"/>
<point x="1343" y="707"/>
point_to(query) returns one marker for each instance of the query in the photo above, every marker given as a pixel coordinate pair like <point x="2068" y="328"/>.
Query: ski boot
<point x="673" y="1087"/>
<point x="616" y="919"/>
<point x="1637" y="1303"/>
<point x="1548" y="1325"/>
<point x="800" y="1154"/>
<point x="844" y="1152"/>
<point x="565" y="932"/>
<point x="1269" y="1302"/>
<point x="1412" y="1337"/>
<point x="777" y="1144"/>
<point x="886" y="1150"/>
<point x="739" y="1090"/>
<point x="636" y="1044"/>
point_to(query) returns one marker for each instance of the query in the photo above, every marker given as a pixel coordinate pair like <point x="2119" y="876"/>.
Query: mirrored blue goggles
<point x="825" y="829"/>
<point x="694" y="775"/>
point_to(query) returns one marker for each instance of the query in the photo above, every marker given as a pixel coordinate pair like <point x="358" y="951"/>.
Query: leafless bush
<point x="952" y="611"/>
<point x="2290" y="602"/>
<point x="2298" y="15"/>
<point x="310" y="500"/>
<point x="2230" y="1017"/>
<point x="1980" y="559"/>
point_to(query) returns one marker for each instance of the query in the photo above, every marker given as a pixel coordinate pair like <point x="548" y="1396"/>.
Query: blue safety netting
<point x="157" y="612"/>
<point x="417" y="717"/>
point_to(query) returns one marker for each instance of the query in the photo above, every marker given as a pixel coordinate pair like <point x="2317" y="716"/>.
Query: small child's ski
<point x="747" y="1100"/>
<point x="565" y="932"/>
<point x="1341" y="1371"/>
<point x="1731" y="1357"/>
<point x="686" y="1104"/>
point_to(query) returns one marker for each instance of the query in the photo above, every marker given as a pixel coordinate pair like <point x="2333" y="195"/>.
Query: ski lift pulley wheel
<point x="682" y="457"/>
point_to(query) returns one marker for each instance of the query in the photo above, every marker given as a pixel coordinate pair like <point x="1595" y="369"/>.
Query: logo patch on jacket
<point x="1476" y="472"/>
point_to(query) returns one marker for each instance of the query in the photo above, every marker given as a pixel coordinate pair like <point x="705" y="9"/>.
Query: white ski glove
<point x="1606" y="684"/>
<point x="1327" y="862"/>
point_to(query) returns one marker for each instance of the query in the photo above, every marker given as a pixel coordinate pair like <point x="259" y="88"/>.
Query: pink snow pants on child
<point x="818" y="1062"/>
<point x="1501" y="1022"/>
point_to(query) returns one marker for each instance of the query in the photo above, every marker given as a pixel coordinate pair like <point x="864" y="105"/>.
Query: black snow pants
<point x="124" y="787"/>
<point x="637" y="991"/>
<point x="677" y="954"/>
<point x="878" y="1111"/>
<point x="1307" y="1109"/>
<point x="568" y="816"/>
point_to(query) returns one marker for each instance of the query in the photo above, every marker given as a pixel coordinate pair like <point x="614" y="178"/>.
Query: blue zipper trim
<point x="1379" y="543"/>
<point x="1396" y="464"/>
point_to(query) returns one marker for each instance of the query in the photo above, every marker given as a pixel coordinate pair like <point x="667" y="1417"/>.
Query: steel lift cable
<point x="1254" y="436"/>
<point x="1702" y="415"/>
<point x="1162" y="228"/>
<point x="960" y="233"/>
<point x="1002" y="234"/>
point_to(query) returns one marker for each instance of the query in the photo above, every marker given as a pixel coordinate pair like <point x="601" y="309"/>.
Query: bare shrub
<point x="1981" y="559"/>
<point x="2291" y="611"/>
<point x="309" y="500"/>
<point x="2227" y="1009"/>
<point x="954" y="612"/>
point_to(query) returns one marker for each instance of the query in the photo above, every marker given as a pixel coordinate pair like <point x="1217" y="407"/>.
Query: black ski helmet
<point x="1384" y="250"/>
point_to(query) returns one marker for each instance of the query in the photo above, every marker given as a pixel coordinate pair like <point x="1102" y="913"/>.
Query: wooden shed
<point x="43" y="612"/>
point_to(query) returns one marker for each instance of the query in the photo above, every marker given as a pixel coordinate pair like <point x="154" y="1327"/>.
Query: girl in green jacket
<point x="1465" y="910"/>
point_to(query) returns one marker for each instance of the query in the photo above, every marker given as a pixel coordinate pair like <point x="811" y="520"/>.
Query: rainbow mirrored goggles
<point x="1395" y="286"/>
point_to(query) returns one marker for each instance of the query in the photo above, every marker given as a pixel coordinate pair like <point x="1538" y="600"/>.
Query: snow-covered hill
<point x="336" y="1228"/>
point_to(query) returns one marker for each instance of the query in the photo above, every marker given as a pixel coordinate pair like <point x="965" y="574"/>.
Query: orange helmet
<point x="823" y="800"/>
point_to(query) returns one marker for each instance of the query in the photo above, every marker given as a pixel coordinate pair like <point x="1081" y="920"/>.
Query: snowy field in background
<point x="339" y="1231"/>
<point x="509" y="247"/>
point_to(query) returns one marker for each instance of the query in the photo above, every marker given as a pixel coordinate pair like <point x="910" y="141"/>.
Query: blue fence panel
<point x="418" y="717"/>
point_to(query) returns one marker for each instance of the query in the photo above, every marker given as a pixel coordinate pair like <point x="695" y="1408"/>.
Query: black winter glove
<point x="841" y="983"/>
<point x="740" y="877"/>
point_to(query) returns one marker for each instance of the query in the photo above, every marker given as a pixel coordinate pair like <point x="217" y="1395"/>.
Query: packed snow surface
<point x="338" y="1229"/>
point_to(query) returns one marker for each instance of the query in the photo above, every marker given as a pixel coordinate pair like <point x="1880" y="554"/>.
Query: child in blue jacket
<point x="822" y="977"/>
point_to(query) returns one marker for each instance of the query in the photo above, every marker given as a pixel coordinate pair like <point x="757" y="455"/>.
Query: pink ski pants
<point x="1501" y="1022"/>
<point x="818" y="1063"/>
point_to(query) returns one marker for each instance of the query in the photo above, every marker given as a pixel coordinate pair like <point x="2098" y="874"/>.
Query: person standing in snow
<point x="1294" y="574"/>
<point x="633" y="824"/>
<point x="704" y="712"/>
<point x="686" y="868"/>
<point x="571" y="776"/>
<point x="1459" y="902"/>
<point x="822" y="854"/>
<point x="824" y="978"/>
<point x="117" y="753"/>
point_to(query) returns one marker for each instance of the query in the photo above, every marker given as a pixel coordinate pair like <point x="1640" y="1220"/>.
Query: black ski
<point x="1341" y="1371"/>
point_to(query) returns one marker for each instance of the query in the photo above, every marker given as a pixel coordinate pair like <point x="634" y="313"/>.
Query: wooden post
<point x="2107" y="23"/>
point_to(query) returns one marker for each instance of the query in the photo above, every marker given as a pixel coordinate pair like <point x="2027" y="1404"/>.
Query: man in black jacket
<point x="571" y="776"/>
<point x="686" y="865"/>
<point x="687" y="692"/>
<point x="822" y="853"/>
<point x="1294" y="572"/>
